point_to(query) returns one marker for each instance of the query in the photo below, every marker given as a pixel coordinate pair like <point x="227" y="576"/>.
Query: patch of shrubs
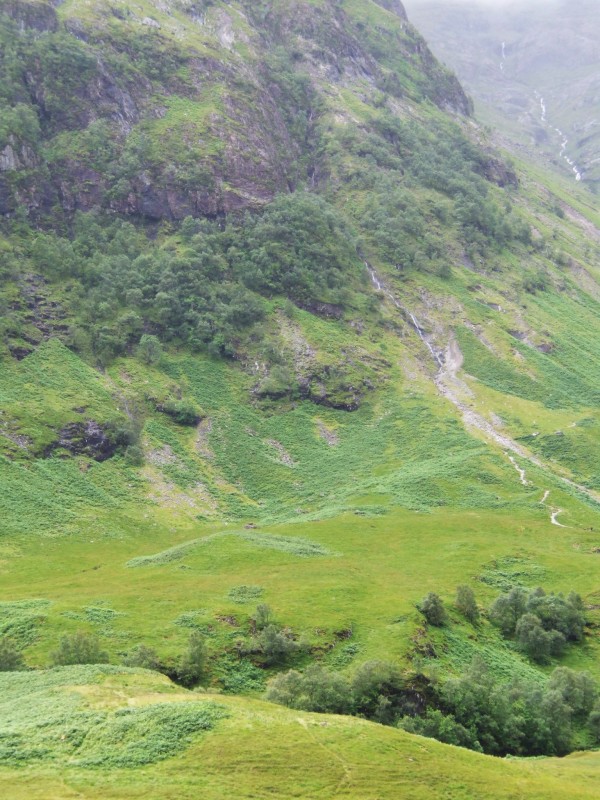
<point x="377" y="691"/>
<point x="183" y="412"/>
<point x="517" y="718"/>
<point x="540" y="623"/>
<point x="271" y="644"/>
<point x="475" y="710"/>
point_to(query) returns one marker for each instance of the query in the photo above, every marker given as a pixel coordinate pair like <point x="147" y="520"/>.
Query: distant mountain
<point x="532" y="68"/>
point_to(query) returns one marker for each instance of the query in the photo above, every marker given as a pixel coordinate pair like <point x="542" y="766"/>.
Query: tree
<point x="315" y="689"/>
<point x="443" y="727"/>
<point x="380" y="691"/>
<point x="466" y="604"/>
<point x="145" y="658"/>
<point x="536" y="642"/>
<point x="80" y="648"/>
<point x="192" y="665"/>
<point x="577" y="689"/>
<point x="149" y="349"/>
<point x="433" y="609"/>
<point x="275" y="645"/>
<point x="507" y="609"/>
<point x="11" y="659"/>
<point x="263" y="616"/>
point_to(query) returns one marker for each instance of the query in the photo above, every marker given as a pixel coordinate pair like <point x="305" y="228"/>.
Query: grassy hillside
<point x="242" y="747"/>
<point x="279" y="327"/>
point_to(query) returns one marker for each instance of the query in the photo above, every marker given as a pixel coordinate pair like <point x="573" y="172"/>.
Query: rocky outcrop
<point x="36" y="15"/>
<point x="87" y="438"/>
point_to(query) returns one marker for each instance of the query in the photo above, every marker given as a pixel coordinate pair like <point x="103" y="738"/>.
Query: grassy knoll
<point x="237" y="747"/>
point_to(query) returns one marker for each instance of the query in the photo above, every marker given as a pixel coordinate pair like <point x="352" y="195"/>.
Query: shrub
<point x="433" y="609"/>
<point x="444" y="728"/>
<point x="11" y="659"/>
<point x="149" y="349"/>
<point x="263" y="616"/>
<point x="80" y="648"/>
<point x="275" y="645"/>
<point x="466" y="604"/>
<point x="542" y="623"/>
<point x="380" y="691"/>
<point x="145" y="658"/>
<point x="184" y="412"/>
<point x="316" y="689"/>
<point x="192" y="665"/>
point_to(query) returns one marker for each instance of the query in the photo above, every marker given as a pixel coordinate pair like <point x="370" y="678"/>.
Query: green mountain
<point x="532" y="69"/>
<point x="289" y="352"/>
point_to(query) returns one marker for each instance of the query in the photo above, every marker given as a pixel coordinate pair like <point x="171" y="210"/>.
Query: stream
<point x="564" y="140"/>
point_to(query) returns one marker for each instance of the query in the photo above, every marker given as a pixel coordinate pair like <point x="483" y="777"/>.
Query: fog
<point x="520" y="4"/>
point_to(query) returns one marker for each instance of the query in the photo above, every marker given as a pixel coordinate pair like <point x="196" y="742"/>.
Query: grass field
<point x="245" y="748"/>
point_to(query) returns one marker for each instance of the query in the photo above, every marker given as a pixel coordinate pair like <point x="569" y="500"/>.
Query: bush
<point x="144" y="658"/>
<point x="444" y="728"/>
<point x="80" y="648"/>
<point x="542" y="623"/>
<point x="184" y="412"/>
<point x="316" y="689"/>
<point x="537" y="643"/>
<point x="275" y="645"/>
<point x="192" y="666"/>
<point x="149" y="349"/>
<point x="433" y="609"/>
<point x="380" y="692"/>
<point x="466" y="604"/>
<point x="11" y="659"/>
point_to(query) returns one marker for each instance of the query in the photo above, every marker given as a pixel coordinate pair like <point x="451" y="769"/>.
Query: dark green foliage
<point x="376" y="691"/>
<point x="536" y="642"/>
<point x="432" y="608"/>
<point x="594" y="723"/>
<point x="577" y="689"/>
<point x="467" y="604"/>
<point x="315" y="689"/>
<point x="144" y="657"/>
<point x="149" y="349"/>
<point x="436" y="725"/>
<point x="184" y="412"/>
<point x="517" y="718"/>
<point x="508" y="609"/>
<point x="263" y="616"/>
<point x="275" y="645"/>
<point x="300" y="247"/>
<point x="541" y="623"/>
<point x="80" y="648"/>
<point x="192" y="666"/>
<point x="380" y="692"/>
<point x="11" y="659"/>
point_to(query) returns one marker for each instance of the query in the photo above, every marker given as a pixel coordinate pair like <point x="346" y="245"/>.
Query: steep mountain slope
<point x="280" y="326"/>
<point x="532" y="69"/>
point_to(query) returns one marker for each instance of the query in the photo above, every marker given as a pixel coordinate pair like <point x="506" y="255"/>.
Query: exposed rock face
<point x="137" y="116"/>
<point x="36" y="15"/>
<point x="87" y="438"/>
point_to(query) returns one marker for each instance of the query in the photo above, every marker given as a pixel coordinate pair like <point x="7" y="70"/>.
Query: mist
<point x="520" y="4"/>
